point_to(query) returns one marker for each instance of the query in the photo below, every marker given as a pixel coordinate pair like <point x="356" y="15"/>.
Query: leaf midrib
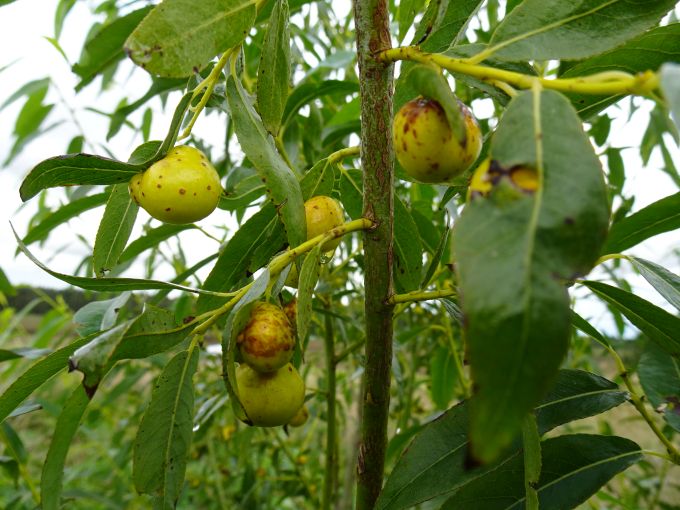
<point x="494" y="49"/>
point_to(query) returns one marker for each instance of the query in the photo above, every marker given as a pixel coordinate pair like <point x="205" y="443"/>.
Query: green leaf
<point x="114" y="229"/>
<point x="660" y="326"/>
<point x="28" y="122"/>
<point x="53" y="470"/>
<point x="444" y="376"/>
<point x="553" y="29"/>
<point x="75" y="169"/>
<point x="660" y="379"/>
<point x="39" y="373"/>
<point x="28" y="89"/>
<point x="273" y="74"/>
<point x="242" y="194"/>
<point x="164" y="435"/>
<point x="158" y="87"/>
<point x="666" y="283"/>
<point x="351" y="193"/>
<point x="99" y="315"/>
<point x="406" y="15"/>
<point x="657" y="218"/>
<point x="179" y="37"/>
<point x="574" y="468"/>
<point x="63" y="8"/>
<point x="582" y="324"/>
<point x="444" y="23"/>
<point x="232" y="264"/>
<point x="646" y="52"/>
<point x="93" y="359"/>
<point x="152" y="238"/>
<point x="106" y="46"/>
<point x="318" y="180"/>
<point x="435" y="461"/>
<point x="436" y="258"/>
<point x="22" y="352"/>
<point x="670" y="84"/>
<point x="309" y="275"/>
<point x="153" y="332"/>
<point x="6" y="287"/>
<point x="577" y="394"/>
<point x="513" y="252"/>
<point x="408" y="249"/>
<point x="105" y="284"/>
<point x="282" y="186"/>
<point x="62" y="215"/>
<point x="306" y="92"/>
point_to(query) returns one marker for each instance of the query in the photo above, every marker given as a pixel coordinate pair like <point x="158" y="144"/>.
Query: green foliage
<point x="509" y="382"/>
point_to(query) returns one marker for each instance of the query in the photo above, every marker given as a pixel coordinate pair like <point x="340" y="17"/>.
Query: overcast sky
<point x="23" y="26"/>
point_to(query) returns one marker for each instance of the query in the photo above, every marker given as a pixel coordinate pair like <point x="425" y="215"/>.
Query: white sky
<point x="23" y="26"/>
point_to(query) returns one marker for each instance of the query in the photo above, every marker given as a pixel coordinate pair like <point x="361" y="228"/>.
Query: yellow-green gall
<point x="270" y="399"/>
<point x="183" y="187"/>
<point x="425" y="145"/>
<point x="267" y="341"/>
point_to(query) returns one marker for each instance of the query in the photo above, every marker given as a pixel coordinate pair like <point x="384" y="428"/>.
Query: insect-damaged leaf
<point x="532" y="242"/>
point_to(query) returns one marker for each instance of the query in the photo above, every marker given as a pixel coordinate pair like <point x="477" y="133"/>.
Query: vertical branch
<point x="371" y="20"/>
<point x="330" y="479"/>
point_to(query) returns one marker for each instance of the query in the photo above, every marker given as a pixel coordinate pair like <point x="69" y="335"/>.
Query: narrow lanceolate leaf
<point x="152" y="238"/>
<point x="514" y="252"/>
<point x="660" y="326"/>
<point x="577" y="394"/>
<point x="53" y="469"/>
<point x="153" y="332"/>
<point x="99" y="315"/>
<point x="273" y="74"/>
<point x="164" y="435"/>
<point x="114" y="229"/>
<point x="646" y="52"/>
<point x="180" y="37"/>
<point x="106" y="47"/>
<point x="39" y="373"/>
<point x="408" y="249"/>
<point x="444" y="23"/>
<point x="64" y="214"/>
<point x="104" y="284"/>
<point x="22" y="352"/>
<point x="93" y="358"/>
<point x="657" y="218"/>
<point x="666" y="283"/>
<point x="234" y="260"/>
<point x="670" y="84"/>
<point x="580" y="323"/>
<point x="553" y="29"/>
<point x="75" y="169"/>
<point x="319" y="180"/>
<point x="306" y="92"/>
<point x="574" y="468"/>
<point x="309" y="275"/>
<point x="660" y="378"/>
<point x="282" y="187"/>
<point x="435" y="461"/>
